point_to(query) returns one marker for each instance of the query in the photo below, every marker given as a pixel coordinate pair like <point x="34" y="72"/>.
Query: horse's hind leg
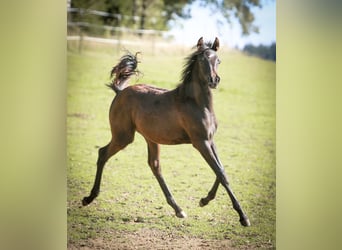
<point x="104" y="154"/>
<point x="153" y="161"/>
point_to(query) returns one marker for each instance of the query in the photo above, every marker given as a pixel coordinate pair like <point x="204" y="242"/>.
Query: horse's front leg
<point x="153" y="162"/>
<point x="208" y="151"/>
<point x="211" y="195"/>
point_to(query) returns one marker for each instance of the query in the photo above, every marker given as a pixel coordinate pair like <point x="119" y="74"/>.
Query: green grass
<point x="131" y="197"/>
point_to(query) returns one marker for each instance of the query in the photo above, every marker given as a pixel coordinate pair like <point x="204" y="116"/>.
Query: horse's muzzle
<point x="214" y="81"/>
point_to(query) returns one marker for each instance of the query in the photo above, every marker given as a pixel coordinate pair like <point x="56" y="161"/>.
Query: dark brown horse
<point x="181" y="115"/>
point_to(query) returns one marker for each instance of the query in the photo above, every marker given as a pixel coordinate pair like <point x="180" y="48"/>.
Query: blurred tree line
<point x="136" y="14"/>
<point x="265" y="52"/>
<point x="156" y="14"/>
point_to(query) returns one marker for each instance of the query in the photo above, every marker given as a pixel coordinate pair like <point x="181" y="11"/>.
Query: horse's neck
<point x="194" y="88"/>
<point x="200" y="93"/>
<point x="204" y="97"/>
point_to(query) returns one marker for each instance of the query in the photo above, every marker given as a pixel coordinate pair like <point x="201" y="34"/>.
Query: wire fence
<point x="81" y="29"/>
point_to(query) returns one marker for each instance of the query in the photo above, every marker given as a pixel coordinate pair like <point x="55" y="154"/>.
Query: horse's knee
<point x="221" y="176"/>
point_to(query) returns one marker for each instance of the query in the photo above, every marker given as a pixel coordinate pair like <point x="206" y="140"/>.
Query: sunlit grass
<point x="131" y="197"/>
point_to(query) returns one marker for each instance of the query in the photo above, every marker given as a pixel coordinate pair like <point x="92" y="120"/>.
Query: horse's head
<point x="209" y="61"/>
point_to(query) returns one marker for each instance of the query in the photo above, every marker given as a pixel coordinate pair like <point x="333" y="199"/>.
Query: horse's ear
<point x="216" y="44"/>
<point x="200" y="43"/>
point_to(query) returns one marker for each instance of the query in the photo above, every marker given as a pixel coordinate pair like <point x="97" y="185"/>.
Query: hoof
<point x="203" y="202"/>
<point x="245" y="222"/>
<point x="86" y="201"/>
<point x="181" y="214"/>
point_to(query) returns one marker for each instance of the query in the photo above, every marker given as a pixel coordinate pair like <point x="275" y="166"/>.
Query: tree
<point x="239" y="9"/>
<point x="156" y="14"/>
<point x="265" y="52"/>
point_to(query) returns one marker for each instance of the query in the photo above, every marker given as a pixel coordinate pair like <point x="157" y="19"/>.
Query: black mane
<point x="190" y="62"/>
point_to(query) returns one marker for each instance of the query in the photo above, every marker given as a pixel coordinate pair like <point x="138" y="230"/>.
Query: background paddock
<point x="131" y="200"/>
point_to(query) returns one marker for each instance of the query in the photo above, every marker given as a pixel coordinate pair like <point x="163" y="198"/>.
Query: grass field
<point x="131" y="202"/>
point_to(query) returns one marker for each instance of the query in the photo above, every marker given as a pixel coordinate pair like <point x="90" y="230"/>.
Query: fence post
<point x="80" y="41"/>
<point x="119" y="41"/>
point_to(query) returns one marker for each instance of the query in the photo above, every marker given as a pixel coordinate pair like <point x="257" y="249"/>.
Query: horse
<point x="181" y="115"/>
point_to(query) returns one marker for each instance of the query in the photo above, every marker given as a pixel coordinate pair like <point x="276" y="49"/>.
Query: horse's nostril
<point x="217" y="79"/>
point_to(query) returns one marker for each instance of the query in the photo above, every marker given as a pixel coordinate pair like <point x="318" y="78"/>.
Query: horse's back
<point x="152" y="111"/>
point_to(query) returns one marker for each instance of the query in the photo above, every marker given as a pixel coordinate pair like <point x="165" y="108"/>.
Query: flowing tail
<point x="123" y="71"/>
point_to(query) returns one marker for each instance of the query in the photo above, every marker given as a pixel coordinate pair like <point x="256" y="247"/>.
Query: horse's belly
<point x="163" y="132"/>
<point x="156" y="117"/>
